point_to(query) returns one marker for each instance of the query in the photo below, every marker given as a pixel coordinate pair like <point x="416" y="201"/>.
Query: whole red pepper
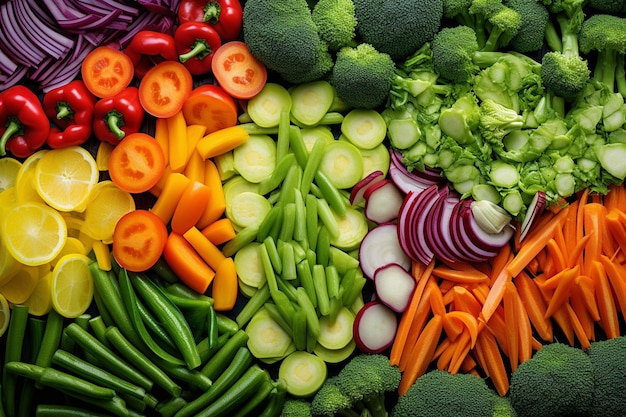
<point x="70" y="107"/>
<point x="148" y="48"/>
<point x="196" y="43"/>
<point x="118" y="116"/>
<point x="24" y="126"/>
<point x="225" y="16"/>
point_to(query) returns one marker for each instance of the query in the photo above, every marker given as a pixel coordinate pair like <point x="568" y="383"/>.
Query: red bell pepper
<point x="24" y="126"/>
<point x="70" y="107"/>
<point x="226" y="16"/>
<point x="196" y="43"/>
<point x="118" y="116"/>
<point x="148" y="48"/>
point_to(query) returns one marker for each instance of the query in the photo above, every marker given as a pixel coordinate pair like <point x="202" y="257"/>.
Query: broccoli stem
<point x="606" y="66"/>
<point x="553" y="39"/>
<point x="569" y="38"/>
<point x="620" y="74"/>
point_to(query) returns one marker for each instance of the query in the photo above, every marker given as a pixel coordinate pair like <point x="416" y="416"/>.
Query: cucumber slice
<point x="342" y="163"/>
<point x="246" y="290"/>
<point x="249" y="267"/>
<point x="311" y="101"/>
<point x="310" y="135"/>
<point x="248" y="209"/>
<point x="366" y="129"/>
<point x="255" y="159"/>
<point x="303" y="373"/>
<point x="266" y="339"/>
<point x="352" y="229"/>
<point x="375" y="159"/>
<point x="338" y="333"/>
<point x="335" y="355"/>
<point x="264" y="109"/>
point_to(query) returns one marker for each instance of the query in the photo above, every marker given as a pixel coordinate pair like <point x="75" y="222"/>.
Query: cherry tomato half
<point x="106" y="71"/>
<point x="209" y="105"/>
<point x="138" y="240"/>
<point x="165" y="88"/>
<point x="237" y="71"/>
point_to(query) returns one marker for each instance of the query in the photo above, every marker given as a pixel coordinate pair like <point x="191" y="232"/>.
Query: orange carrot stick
<point x="496" y="292"/>
<point x="575" y="255"/>
<point x="578" y="302"/>
<point x="461" y="349"/>
<point x="609" y="320"/>
<point x="579" y="330"/>
<point x="556" y="253"/>
<point x="561" y="292"/>
<point x="463" y="320"/>
<point x="512" y="322"/>
<point x="225" y="286"/>
<point x="464" y="300"/>
<point x="535" y="305"/>
<point x="525" y="332"/>
<point x="494" y="364"/>
<point x="465" y="276"/>
<point x="421" y="354"/>
<point x="616" y="274"/>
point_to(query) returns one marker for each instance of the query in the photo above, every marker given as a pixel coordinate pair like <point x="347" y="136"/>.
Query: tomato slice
<point x="209" y="105"/>
<point x="137" y="163"/>
<point x="138" y="240"/>
<point x="237" y="71"/>
<point x="165" y="88"/>
<point x="106" y="71"/>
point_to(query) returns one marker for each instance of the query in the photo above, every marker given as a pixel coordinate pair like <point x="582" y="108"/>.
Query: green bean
<point x="107" y="358"/>
<point x="323" y="246"/>
<point x="331" y="193"/>
<point x="58" y="410"/>
<point x="278" y="175"/>
<point x="212" y="330"/>
<point x="276" y="402"/>
<point x="266" y="263"/>
<point x="298" y="147"/>
<point x="312" y="164"/>
<point x="254" y="129"/>
<point x="332" y="281"/>
<point x="257" y="400"/>
<point x="327" y="217"/>
<point x="271" y="219"/>
<point x="102" y="308"/>
<point x="154" y="326"/>
<point x="290" y="183"/>
<point x="207" y="352"/>
<point x="141" y="361"/>
<point x="225" y="324"/>
<point x="306" y="280"/>
<point x="299" y="329"/>
<point x="170" y="316"/>
<point x="272" y="252"/>
<point x="289" y="222"/>
<point x="289" y="262"/>
<point x="255" y="302"/>
<point x="275" y="314"/>
<point x="13" y="352"/>
<point x="191" y="377"/>
<point x="300" y="226"/>
<point x="321" y="290"/>
<point x="312" y="319"/>
<point x="98" y="327"/>
<point x="236" y="368"/>
<point x="216" y="365"/>
<point x="164" y="271"/>
<point x="244" y="236"/>
<point x="282" y="140"/>
<point x="170" y="407"/>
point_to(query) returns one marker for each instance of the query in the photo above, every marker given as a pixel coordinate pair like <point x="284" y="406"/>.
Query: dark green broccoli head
<point x="336" y="22"/>
<point x="362" y="76"/>
<point x="565" y="75"/>
<point x="557" y="381"/>
<point x="603" y="32"/>
<point x="440" y="393"/>
<point x="534" y="21"/>
<point x="296" y="408"/>
<point x="485" y="8"/>
<point x="568" y="7"/>
<point x="329" y="400"/>
<point x="606" y="6"/>
<point x="452" y="8"/>
<point x="399" y="27"/>
<point x="453" y="50"/>
<point x="281" y="34"/>
<point x="608" y="358"/>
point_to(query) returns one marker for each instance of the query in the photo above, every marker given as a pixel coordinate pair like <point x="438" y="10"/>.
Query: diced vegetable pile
<point x="313" y="208"/>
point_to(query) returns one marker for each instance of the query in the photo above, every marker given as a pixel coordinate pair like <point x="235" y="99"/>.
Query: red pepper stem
<point x="13" y="127"/>
<point x="199" y="49"/>
<point x="212" y="12"/>
<point x="114" y="121"/>
<point x="64" y="111"/>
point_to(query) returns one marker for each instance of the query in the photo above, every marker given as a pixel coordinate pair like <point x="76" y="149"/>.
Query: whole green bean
<point x="216" y="365"/>
<point x="13" y="352"/>
<point x="58" y="410"/>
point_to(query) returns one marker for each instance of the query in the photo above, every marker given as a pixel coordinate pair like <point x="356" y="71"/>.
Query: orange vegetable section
<point x="565" y="281"/>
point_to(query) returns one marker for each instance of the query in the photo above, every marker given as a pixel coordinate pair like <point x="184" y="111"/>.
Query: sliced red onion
<point x="54" y="43"/>
<point x="535" y="208"/>
<point x="428" y="175"/>
<point x="7" y="66"/>
<point x="489" y="241"/>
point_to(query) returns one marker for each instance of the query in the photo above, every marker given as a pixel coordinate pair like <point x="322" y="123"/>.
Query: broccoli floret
<point x="502" y="407"/>
<point x="336" y="22"/>
<point x="534" y="21"/>
<point x="399" y="27"/>
<point x="295" y="407"/>
<point x="459" y="11"/>
<point x="330" y="401"/>
<point x="565" y="71"/>
<point x="453" y="52"/>
<point x="606" y="34"/>
<point x="281" y="34"/>
<point x="440" y="393"/>
<point x="606" y="6"/>
<point x="362" y="76"/>
<point x="496" y="121"/>
<point x="608" y="358"/>
<point x="495" y="23"/>
<point x="557" y="381"/>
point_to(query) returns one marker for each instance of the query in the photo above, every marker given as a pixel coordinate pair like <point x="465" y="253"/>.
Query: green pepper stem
<point x="13" y="127"/>
<point x="115" y="121"/>
<point x="64" y="111"/>
<point x="212" y="12"/>
<point x="199" y="49"/>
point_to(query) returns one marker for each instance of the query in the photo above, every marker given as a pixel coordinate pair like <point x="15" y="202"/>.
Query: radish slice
<point x="382" y="201"/>
<point x="394" y="286"/>
<point x="356" y="195"/>
<point x="535" y="208"/>
<point x="381" y="247"/>
<point x="375" y="327"/>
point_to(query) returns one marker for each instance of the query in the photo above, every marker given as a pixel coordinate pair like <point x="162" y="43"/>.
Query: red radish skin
<point x="381" y="247"/>
<point x="394" y="286"/>
<point x="358" y="191"/>
<point x="382" y="201"/>
<point x="374" y="327"/>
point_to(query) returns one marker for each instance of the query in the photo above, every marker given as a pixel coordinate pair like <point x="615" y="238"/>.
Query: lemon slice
<point x="21" y="286"/>
<point x="33" y="233"/>
<point x="40" y="301"/>
<point x="72" y="245"/>
<point x="108" y="204"/>
<point x="65" y="177"/>
<point x="72" y="285"/>
<point x="9" y="168"/>
<point x="8" y="198"/>
<point x="25" y="181"/>
<point x="5" y="314"/>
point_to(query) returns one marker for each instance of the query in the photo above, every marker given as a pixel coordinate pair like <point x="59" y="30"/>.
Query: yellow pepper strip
<point x="166" y="202"/>
<point x="103" y="255"/>
<point x="195" y="163"/>
<point x="161" y="135"/>
<point x="177" y="142"/>
<point x="102" y="156"/>
<point x="225" y="286"/>
<point x="221" y="141"/>
<point x="217" y="203"/>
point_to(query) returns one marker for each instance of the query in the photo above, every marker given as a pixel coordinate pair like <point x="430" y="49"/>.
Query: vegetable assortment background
<point x="333" y="207"/>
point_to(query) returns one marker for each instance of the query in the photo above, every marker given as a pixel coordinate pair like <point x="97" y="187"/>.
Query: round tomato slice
<point x="106" y="71"/>
<point x="137" y="163"/>
<point x="209" y="105"/>
<point x="165" y="88"/>
<point x="138" y="240"/>
<point x="237" y="71"/>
